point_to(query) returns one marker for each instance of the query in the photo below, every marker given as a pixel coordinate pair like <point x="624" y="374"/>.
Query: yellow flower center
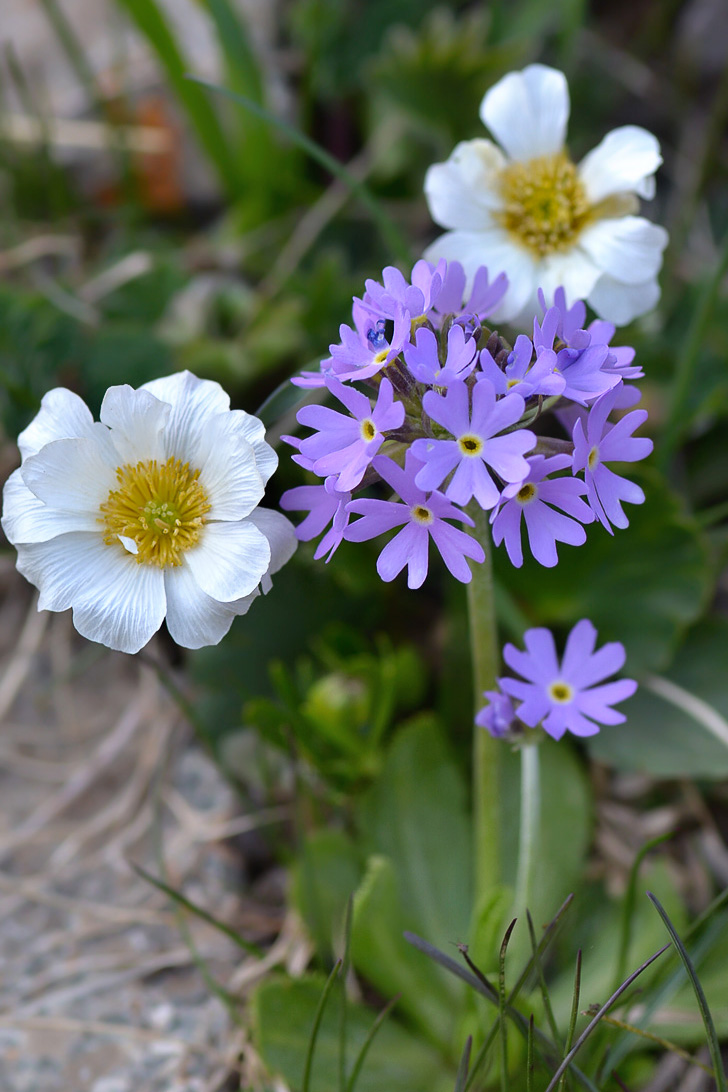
<point x="470" y="445"/>
<point x="381" y="356"/>
<point x="545" y="205"/>
<point x="160" y="506"/>
<point x="527" y="493"/>
<point x="422" y="515"/>
<point x="368" y="430"/>
<point x="593" y="458"/>
<point x="561" y="692"/>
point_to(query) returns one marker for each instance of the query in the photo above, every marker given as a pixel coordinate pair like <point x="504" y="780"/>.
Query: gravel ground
<point x="101" y="990"/>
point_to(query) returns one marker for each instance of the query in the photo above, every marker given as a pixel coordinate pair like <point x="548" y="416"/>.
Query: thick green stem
<point x="487" y="751"/>
<point x="530" y="818"/>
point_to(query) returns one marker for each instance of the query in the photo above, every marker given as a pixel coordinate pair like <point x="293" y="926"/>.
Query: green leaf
<point x="416" y="815"/>
<point x="667" y="733"/>
<point x="642" y="586"/>
<point x="326" y="873"/>
<point x="283" y="1014"/>
<point x="381" y="954"/>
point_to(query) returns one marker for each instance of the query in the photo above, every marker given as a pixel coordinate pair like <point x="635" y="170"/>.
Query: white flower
<point x="150" y="513"/>
<point x="526" y="209"/>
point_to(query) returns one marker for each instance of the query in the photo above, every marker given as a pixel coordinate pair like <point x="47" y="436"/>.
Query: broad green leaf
<point x="283" y="1014"/>
<point x="642" y="586"/>
<point x="381" y="954"/>
<point x="677" y="725"/>
<point x="416" y="815"/>
<point x="326" y="872"/>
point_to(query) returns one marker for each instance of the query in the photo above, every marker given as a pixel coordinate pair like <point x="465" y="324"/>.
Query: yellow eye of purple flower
<point x="527" y="493"/>
<point x="561" y="692"/>
<point x="368" y="429"/>
<point x="593" y="458"/>
<point x="470" y="445"/>
<point x="422" y="515"/>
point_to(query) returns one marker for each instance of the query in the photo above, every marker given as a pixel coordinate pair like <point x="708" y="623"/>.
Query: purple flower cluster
<point x="445" y="419"/>
<point x="561" y="696"/>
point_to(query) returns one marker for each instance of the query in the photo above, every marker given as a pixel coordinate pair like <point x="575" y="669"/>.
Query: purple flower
<point x="365" y="351"/>
<point x="424" y="517"/>
<point x="483" y="299"/>
<point x="599" y="443"/>
<point x="416" y="298"/>
<point x="585" y="360"/>
<point x="536" y="500"/>
<point x="563" y="695"/>
<point x="438" y="288"/>
<point x="424" y="362"/>
<point x="519" y="376"/>
<point x="346" y="445"/>
<point x="325" y="504"/>
<point x="476" y="443"/>
<point x="498" y="716"/>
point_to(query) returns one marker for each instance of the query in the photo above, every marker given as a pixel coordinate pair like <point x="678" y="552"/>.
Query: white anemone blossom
<point x="525" y="208"/>
<point x="149" y="513"/>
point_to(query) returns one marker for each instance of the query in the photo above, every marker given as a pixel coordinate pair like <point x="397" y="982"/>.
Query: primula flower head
<point x="563" y="695"/>
<point x="526" y="208"/>
<point x="150" y="513"/>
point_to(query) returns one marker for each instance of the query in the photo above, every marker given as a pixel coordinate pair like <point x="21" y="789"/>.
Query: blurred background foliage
<point x="162" y="225"/>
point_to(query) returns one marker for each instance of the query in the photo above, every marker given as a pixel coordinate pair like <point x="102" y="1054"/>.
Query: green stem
<point x="530" y="817"/>
<point x="486" y="750"/>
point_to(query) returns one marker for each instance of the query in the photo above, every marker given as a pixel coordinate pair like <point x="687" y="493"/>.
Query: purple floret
<point x="564" y="696"/>
<point x="598" y="443"/>
<point x="365" y="350"/>
<point x="498" y="715"/>
<point x="536" y="500"/>
<point x="343" y="445"/>
<point x="424" y="517"/>
<point x="424" y="362"/>
<point x="519" y="376"/>
<point x="325" y="505"/>
<point x="476" y="444"/>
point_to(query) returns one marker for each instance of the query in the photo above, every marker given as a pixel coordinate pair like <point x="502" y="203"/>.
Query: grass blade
<point x="306" y="1082"/>
<point x="198" y="911"/>
<point x="151" y="23"/>
<point x="361" y="1056"/>
<point x="462" y="1074"/>
<point x="555" y="1080"/>
<point x="713" y="1044"/>
<point x="628" y="906"/>
<point x="574" y="1011"/>
<point x="389" y="231"/>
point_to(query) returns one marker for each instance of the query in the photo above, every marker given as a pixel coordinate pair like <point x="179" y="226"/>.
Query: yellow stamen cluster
<point x="545" y="205"/>
<point x="161" y="506"/>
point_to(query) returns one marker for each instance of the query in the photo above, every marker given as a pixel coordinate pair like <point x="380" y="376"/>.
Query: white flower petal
<point x="628" y="248"/>
<point x="574" y="271"/>
<point x="527" y="112"/>
<point x="137" y="420"/>
<point x="193" y="401"/>
<point x="27" y="519"/>
<point x="462" y="192"/>
<point x="115" y="600"/>
<point x="228" y="468"/>
<point x="624" y="162"/>
<point x="62" y="413"/>
<point x="229" y="560"/>
<point x="621" y="303"/>
<point x="253" y="429"/>
<point x="194" y="619"/>
<point x="75" y="475"/>
<point x="281" y="537"/>
<point x="498" y="252"/>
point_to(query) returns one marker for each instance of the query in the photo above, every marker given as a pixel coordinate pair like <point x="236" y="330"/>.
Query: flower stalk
<point x="529" y="827"/>
<point x="487" y="751"/>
